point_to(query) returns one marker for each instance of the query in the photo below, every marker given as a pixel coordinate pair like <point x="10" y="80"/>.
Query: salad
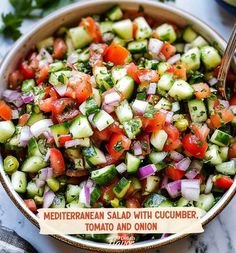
<point x="119" y="111"/>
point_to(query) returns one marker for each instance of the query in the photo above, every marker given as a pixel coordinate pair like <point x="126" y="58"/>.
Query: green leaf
<point x="23" y="8"/>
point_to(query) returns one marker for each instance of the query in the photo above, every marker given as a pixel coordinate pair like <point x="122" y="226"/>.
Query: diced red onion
<point x="169" y="117"/>
<point x="176" y="156"/>
<point x="50" y="172"/>
<point x="111" y="98"/>
<point x="43" y="173"/>
<point x="161" y="57"/>
<point x="137" y="148"/>
<point x="77" y="142"/>
<point x="93" y="81"/>
<point x="187" y="46"/>
<point x="28" y="99"/>
<point x="224" y="103"/>
<point x="84" y="196"/>
<point x="233" y="108"/>
<point x="152" y="88"/>
<point x="40" y="127"/>
<point x="44" y="57"/>
<point x="155" y="47"/>
<point x="175" y="58"/>
<point x="61" y="89"/>
<point x="141" y="157"/>
<point x="213" y="81"/>
<point x="190" y="189"/>
<point x="121" y="168"/>
<point x="48" y="135"/>
<point x="13" y="96"/>
<point x="48" y="198"/>
<point x="108" y="108"/>
<point x="90" y="183"/>
<point x="15" y="114"/>
<point x="183" y="164"/>
<point x="39" y="183"/>
<point x="191" y="174"/>
<point x="194" y="169"/>
<point x="176" y="117"/>
<point x="196" y="164"/>
<point x="139" y="106"/>
<point x="90" y="118"/>
<point x="209" y="184"/>
<point x="46" y="158"/>
<point x="73" y="57"/>
<point x="164" y="182"/>
<point x="25" y="136"/>
<point x="174" y="188"/>
<point x="146" y="171"/>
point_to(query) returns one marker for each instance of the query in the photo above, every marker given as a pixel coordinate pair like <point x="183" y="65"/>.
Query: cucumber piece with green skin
<point x="197" y="110"/>
<point x="151" y="185"/>
<point x="166" y="81"/>
<point x="163" y="103"/>
<point x="121" y="188"/>
<point x="75" y="204"/>
<point x="7" y="129"/>
<point x="205" y="201"/>
<point x="179" y="47"/>
<point x="58" y="201"/>
<point x="227" y="168"/>
<point x="124" y="29"/>
<point x="80" y="37"/>
<point x="33" y="190"/>
<point x="84" y="55"/>
<point x="33" y="164"/>
<point x="94" y="155"/>
<point x="106" y="26"/>
<point x="59" y="77"/>
<point x="56" y="66"/>
<point x="220" y="138"/>
<point x="10" y="164"/>
<point x="33" y="148"/>
<point x="117" y="73"/>
<point x="184" y="202"/>
<point x="189" y="35"/>
<point x="166" y="203"/>
<point x="89" y="106"/>
<point x="19" y="181"/>
<point x="102" y="120"/>
<point x="139" y="46"/>
<point x="224" y="153"/>
<point x="95" y="195"/>
<point x="14" y="141"/>
<point x="199" y="42"/>
<point x="158" y="139"/>
<point x="124" y="111"/>
<point x="132" y="127"/>
<point x="58" y="130"/>
<point x="144" y="31"/>
<point x="151" y="64"/>
<point x="210" y="57"/>
<point x="103" y="78"/>
<point x="157" y="157"/>
<point x="46" y="43"/>
<point x="181" y="90"/>
<point x="72" y="192"/>
<point x="162" y="67"/>
<point x="191" y="59"/>
<point x="27" y="85"/>
<point x="210" y="105"/>
<point x="80" y="127"/>
<point x="105" y="175"/>
<point x="213" y="156"/>
<point x="117" y="40"/>
<point x="132" y="163"/>
<point x="154" y="200"/>
<point x="53" y="184"/>
<point x="125" y="86"/>
<point x="115" y="13"/>
<point x="166" y="32"/>
<point x="34" y="118"/>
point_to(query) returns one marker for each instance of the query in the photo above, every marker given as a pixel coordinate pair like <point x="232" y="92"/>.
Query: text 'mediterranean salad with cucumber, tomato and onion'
<point x="119" y="111"/>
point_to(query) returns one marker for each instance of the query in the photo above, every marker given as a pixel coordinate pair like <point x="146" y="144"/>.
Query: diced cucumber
<point x="132" y="127"/>
<point x="132" y="163"/>
<point x="154" y="200"/>
<point x="144" y="31"/>
<point x="162" y="67"/>
<point x="189" y="35"/>
<point x="151" y="185"/>
<point x="166" y="81"/>
<point x="139" y="46"/>
<point x="105" y="175"/>
<point x="75" y="204"/>
<point x="124" y="29"/>
<point x="56" y="66"/>
<point x="117" y="73"/>
<point x="184" y="202"/>
<point x="80" y="127"/>
<point x="69" y="44"/>
<point x="80" y="37"/>
<point x="94" y="155"/>
<point x="205" y="201"/>
<point x="158" y="139"/>
<point x="191" y="59"/>
<point x="84" y="55"/>
<point x="197" y="110"/>
<point x="33" y="148"/>
<point x="34" y="117"/>
<point x="124" y="111"/>
<point x="59" y="77"/>
<point x="199" y="42"/>
<point x="179" y="47"/>
<point x="213" y="156"/>
<point x="96" y="95"/>
<point x="115" y="13"/>
<point x="117" y="40"/>
<point x="102" y="120"/>
<point x="72" y="192"/>
<point x="59" y="201"/>
<point x="95" y="195"/>
<point x="157" y="157"/>
<point x="106" y="26"/>
<point x="53" y="184"/>
<point x="163" y="103"/>
<point x="125" y="86"/>
<point x="210" y="105"/>
<point x="19" y="181"/>
<point x="121" y="188"/>
<point x="210" y="57"/>
<point x="166" y="32"/>
<point x="89" y="106"/>
<point x="103" y="78"/>
<point x="46" y="43"/>
<point x="224" y="153"/>
<point x="33" y="164"/>
<point x="33" y="190"/>
<point x="28" y="85"/>
<point x="57" y="130"/>
<point x="227" y="168"/>
<point x="220" y="138"/>
<point x="166" y="203"/>
<point x="151" y="64"/>
<point x="181" y="90"/>
<point x="7" y="129"/>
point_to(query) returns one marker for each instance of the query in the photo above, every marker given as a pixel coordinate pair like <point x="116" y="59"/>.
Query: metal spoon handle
<point x="226" y="60"/>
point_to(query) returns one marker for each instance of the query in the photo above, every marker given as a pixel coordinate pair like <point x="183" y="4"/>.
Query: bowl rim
<point x="86" y="244"/>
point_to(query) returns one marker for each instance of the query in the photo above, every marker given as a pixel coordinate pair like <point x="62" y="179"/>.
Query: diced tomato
<point x="42" y="76"/>
<point x="117" y="145"/>
<point x="194" y="146"/>
<point x="103" y="135"/>
<point x="172" y="131"/>
<point x="153" y="99"/>
<point x="46" y="105"/>
<point x="132" y="71"/>
<point x="227" y="115"/>
<point x="63" y="103"/>
<point x="173" y="173"/>
<point x="115" y="128"/>
<point x="135" y="29"/>
<point x="233" y="100"/>
<point x="57" y="162"/>
<point x="26" y="70"/>
<point x="116" y="54"/>
<point x="201" y="131"/>
<point x="232" y="151"/>
<point x="153" y="124"/>
<point x="144" y="140"/>
<point x="171" y="145"/>
<point x="107" y="191"/>
<point x="92" y="28"/>
<point x="222" y="181"/>
<point x="132" y="203"/>
<point x="221" y="116"/>
<point x="126" y="239"/>
<point x="30" y="203"/>
<point x="5" y="111"/>
<point x="148" y="76"/>
<point x="76" y="173"/>
<point x="62" y="139"/>
<point x="23" y="119"/>
<point x="15" y="79"/>
<point x="201" y="178"/>
<point x="79" y="87"/>
<point x="96" y="53"/>
<point x="202" y="90"/>
<point x="180" y="72"/>
<point x="216" y="120"/>
<point x="67" y="115"/>
<point x="168" y="50"/>
<point x="59" y="48"/>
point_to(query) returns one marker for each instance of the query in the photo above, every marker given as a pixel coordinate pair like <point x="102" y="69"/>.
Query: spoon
<point x="226" y="60"/>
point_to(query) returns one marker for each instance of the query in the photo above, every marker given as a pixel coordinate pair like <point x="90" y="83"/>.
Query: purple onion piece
<point x="48" y="198"/>
<point x="174" y="188"/>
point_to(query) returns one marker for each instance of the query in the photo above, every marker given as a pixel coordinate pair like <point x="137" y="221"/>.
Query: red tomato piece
<point x="59" y="48"/>
<point x="62" y="139"/>
<point x="15" y="79"/>
<point x="173" y="173"/>
<point x="172" y="132"/>
<point x="202" y="90"/>
<point x="171" y="145"/>
<point x="223" y="182"/>
<point x="132" y="71"/>
<point x="42" y="76"/>
<point x="168" y="50"/>
<point x="232" y="151"/>
<point x="154" y="124"/>
<point x="180" y="72"/>
<point x="66" y="116"/>
<point x="23" y="119"/>
<point x="30" y="203"/>
<point x="148" y="76"/>
<point x="144" y="140"/>
<point x="132" y="203"/>
<point x="57" y="162"/>
<point x="92" y="28"/>
<point x="107" y="191"/>
<point x="5" y="111"/>
<point x="201" y="131"/>
<point x="26" y="70"/>
<point x="63" y="103"/>
<point x="116" y="54"/>
<point x="76" y="174"/>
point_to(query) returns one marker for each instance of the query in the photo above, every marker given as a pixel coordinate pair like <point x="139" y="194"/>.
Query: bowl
<point x="69" y="16"/>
